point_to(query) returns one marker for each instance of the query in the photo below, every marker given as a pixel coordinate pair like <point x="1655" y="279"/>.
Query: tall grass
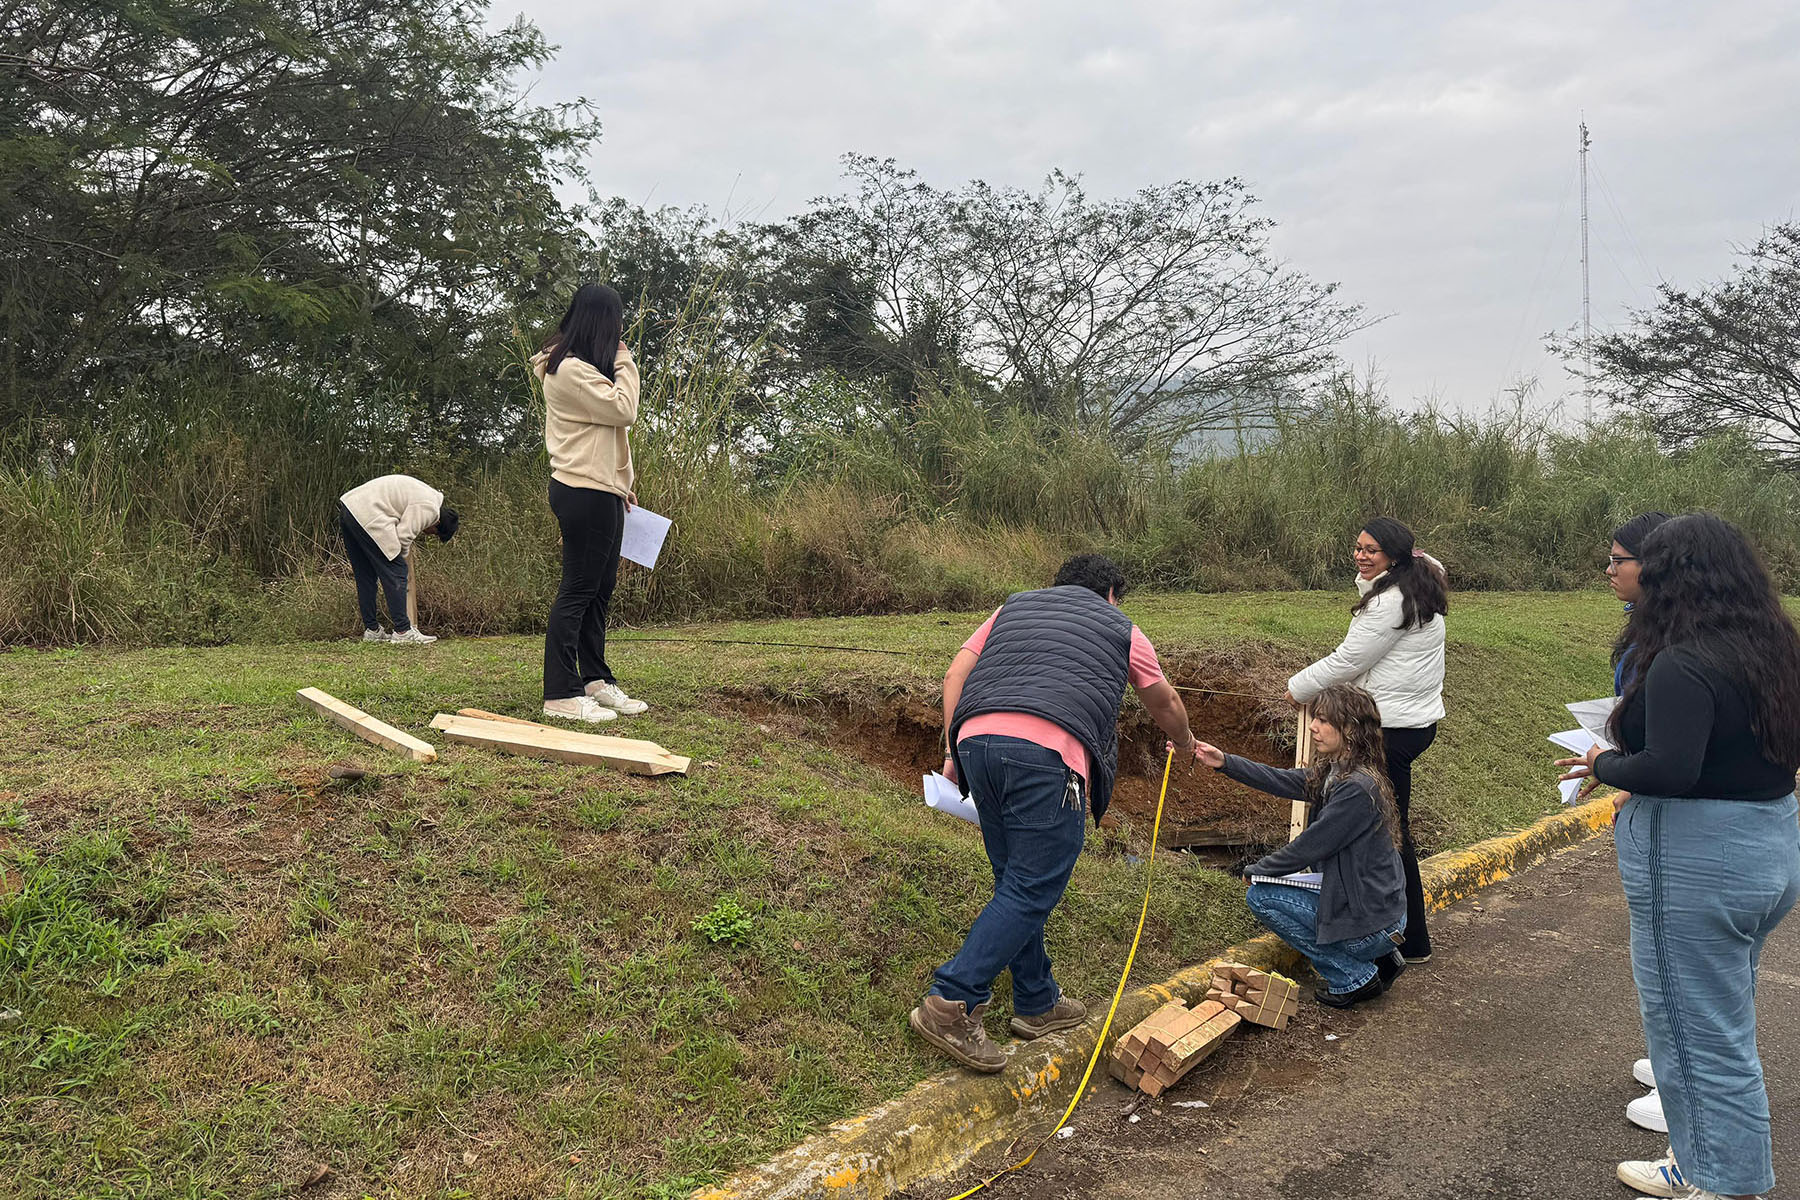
<point x="219" y="523"/>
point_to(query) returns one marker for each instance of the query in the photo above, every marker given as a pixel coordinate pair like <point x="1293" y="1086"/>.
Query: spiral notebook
<point x="1310" y="880"/>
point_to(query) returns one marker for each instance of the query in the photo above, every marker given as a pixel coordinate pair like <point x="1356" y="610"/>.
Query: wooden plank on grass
<point x="631" y="755"/>
<point x="638" y="745"/>
<point x="482" y="714"/>
<point x="368" y="728"/>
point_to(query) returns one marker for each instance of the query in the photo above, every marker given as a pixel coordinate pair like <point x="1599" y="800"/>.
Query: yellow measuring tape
<point x="1118" y="994"/>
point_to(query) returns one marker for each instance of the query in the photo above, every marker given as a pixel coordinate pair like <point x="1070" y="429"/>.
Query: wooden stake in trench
<point x="1301" y="812"/>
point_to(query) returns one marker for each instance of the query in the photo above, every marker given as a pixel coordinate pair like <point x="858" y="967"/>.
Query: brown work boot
<point x="952" y="1028"/>
<point x="1067" y="1014"/>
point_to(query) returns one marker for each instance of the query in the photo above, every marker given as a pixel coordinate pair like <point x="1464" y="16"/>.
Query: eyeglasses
<point x="1618" y="559"/>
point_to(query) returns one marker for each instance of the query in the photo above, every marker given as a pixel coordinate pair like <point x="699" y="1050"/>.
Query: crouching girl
<point x="1348" y="919"/>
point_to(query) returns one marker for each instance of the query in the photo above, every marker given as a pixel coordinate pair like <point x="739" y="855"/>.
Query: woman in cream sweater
<point x="590" y="405"/>
<point x="1395" y="651"/>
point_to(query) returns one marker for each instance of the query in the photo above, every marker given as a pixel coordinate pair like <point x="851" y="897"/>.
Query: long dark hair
<point x="590" y="330"/>
<point x="1706" y="591"/>
<point x="1352" y="712"/>
<point x="1631" y="535"/>
<point x="1424" y="591"/>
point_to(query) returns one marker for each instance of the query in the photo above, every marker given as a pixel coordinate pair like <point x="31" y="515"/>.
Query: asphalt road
<point x="1500" y="1069"/>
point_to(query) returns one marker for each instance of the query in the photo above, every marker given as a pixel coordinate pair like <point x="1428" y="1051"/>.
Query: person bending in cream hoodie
<point x="590" y="405"/>
<point x="380" y="521"/>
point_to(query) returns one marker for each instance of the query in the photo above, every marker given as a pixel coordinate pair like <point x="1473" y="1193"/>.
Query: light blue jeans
<point x="1292" y="914"/>
<point x="1707" y="882"/>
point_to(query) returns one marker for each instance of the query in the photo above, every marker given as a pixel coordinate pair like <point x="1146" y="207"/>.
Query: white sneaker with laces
<point x="1656" y="1177"/>
<point x="376" y="635"/>
<point x="613" y="696"/>
<point x="1646" y="1112"/>
<point x="579" y="708"/>
<point x="1643" y="1072"/>
<point x="412" y="637"/>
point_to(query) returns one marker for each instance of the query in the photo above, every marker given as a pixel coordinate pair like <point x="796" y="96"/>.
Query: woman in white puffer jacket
<point x="1394" y="650"/>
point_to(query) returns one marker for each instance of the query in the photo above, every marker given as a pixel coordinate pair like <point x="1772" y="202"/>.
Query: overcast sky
<point x="1423" y="155"/>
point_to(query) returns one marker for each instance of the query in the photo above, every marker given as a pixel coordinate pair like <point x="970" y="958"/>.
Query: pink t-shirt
<point x="1143" y="670"/>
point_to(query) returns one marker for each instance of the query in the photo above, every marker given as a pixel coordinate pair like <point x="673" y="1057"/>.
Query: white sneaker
<point x="376" y="635"/>
<point x="1643" y="1073"/>
<point x="579" y="708"/>
<point x="613" y="696"/>
<point x="1656" y="1177"/>
<point x="412" y="637"/>
<point x="1646" y="1112"/>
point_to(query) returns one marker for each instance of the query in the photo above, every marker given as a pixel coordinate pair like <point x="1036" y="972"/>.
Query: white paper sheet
<point x="643" y="538"/>
<point x="1576" y="742"/>
<point x="946" y="797"/>
<point x="1592" y="715"/>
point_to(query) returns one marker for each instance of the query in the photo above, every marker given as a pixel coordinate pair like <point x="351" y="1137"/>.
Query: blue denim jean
<point x="1707" y="881"/>
<point x="1032" y="822"/>
<point x="1292" y="914"/>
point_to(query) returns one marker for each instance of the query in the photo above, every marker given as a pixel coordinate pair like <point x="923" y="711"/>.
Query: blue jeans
<point x="1707" y="881"/>
<point x="1292" y="914"/>
<point x="1032" y="823"/>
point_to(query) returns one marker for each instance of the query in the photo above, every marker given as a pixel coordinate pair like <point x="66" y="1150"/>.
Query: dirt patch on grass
<point x="1233" y="701"/>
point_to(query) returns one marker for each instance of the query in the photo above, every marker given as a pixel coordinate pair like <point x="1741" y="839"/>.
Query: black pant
<point x="592" y="524"/>
<point x="368" y="564"/>
<point x="1403" y="746"/>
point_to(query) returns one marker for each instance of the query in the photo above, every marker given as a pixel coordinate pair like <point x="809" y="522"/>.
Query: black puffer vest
<point x="1063" y="654"/>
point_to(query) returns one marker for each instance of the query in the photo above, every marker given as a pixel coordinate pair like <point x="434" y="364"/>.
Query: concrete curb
<point x="936" y="1128"/>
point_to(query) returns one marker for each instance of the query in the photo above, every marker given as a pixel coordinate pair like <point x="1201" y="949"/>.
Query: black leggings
<point x="592" y="523"/>
<point x="1403" y="746"/>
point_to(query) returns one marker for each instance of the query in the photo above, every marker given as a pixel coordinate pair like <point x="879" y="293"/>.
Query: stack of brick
<point x="1256" y="996"/>
<point x="1169" y="1043"/>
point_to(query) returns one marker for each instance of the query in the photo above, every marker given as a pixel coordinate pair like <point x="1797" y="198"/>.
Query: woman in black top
<point x="1708" y="732"/>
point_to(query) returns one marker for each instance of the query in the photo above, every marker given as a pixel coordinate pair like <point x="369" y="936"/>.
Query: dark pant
<point x="1403" y="746"/>
<point x="1033" y="820"/>
<point x="369" y="564"/>
<point x="592" y="523"/>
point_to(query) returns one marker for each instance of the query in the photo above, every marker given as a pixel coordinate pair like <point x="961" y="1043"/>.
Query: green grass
<point x="492" y="976"/>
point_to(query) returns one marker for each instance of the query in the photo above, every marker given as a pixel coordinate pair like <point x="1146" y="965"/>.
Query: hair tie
<point x="1418" y="553"/>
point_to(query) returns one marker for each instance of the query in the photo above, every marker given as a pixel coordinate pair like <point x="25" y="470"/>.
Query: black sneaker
<point x="1389" y="967"/>
<point x="1367" y="991"/>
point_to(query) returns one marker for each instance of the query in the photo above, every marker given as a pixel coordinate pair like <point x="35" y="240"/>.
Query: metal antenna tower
<point x="1587" y="328"/>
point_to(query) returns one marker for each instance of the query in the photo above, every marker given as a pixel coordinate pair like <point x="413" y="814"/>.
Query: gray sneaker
<point x="952" y="1028"/>
<point x="1068" y="1014"/>
<point x="376" y="635"/>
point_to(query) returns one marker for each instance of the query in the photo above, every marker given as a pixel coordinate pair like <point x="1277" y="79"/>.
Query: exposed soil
<point x="1233" y="701"/>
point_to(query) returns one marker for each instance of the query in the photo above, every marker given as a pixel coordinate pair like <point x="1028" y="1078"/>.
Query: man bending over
<point x="1031" y="706"/>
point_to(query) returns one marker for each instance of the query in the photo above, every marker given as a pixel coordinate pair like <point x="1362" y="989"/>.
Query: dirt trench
<point x="1233" y="701"/>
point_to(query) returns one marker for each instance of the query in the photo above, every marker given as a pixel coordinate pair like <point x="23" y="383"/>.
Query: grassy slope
<point x="478" y="977"/>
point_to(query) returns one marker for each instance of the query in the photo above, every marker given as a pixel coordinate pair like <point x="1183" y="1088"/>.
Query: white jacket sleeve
<point x="1373" y="632"/>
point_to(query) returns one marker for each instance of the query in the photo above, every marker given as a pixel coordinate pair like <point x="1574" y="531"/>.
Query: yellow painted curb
<point x="936" y="1128"/>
